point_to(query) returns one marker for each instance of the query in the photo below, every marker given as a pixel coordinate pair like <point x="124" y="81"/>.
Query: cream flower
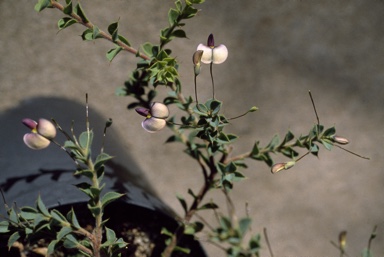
<point x="155" y="116"/>
<point x="41" y="133"/>
<point x="213" y="54"/>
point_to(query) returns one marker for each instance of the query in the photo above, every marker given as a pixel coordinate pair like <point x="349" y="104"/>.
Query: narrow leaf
<point x="111" y="54"/>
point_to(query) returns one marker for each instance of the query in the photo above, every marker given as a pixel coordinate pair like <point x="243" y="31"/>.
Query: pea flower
<point x="213" y="54"/>
<point x="155" y="116"/>
<point x="41" y="133"/>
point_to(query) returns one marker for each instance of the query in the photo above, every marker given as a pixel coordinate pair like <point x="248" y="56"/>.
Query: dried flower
<point x="213" y="54"/>
<point x="42" y="132"/>
<point x="155" y="116"/>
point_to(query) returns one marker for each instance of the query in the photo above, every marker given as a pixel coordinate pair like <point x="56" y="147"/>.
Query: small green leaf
<point x="183" y="203"/>
<point x="101" y="159"/>
<point x="51" y="247"/>
<point x="4" y="227"/>
<point x="79" y="11"/>
<point x="208" y="206"/>
<point x="68" y="9"/>
<point x="111" y="235"/>
<point x="113" y="30"/>
<point x="65" y="22"/>
<point x="124" y="40"/>
<point x="73" y="219"/>
<point x="172" y="16"/>
<point x="110" y="197"/>
<point x="85" y="139"/>
<point x="63" y="232"/>
<point x="111" y="54"/>
<point x="41" y="207"/>
<point x="13" y="238"/>
<point x="58" y="216"/>
<point x="147" y="48"/>
<point x="244" y="225"/>
<point x="70" y="242"/>
<point x="42" y="4"/>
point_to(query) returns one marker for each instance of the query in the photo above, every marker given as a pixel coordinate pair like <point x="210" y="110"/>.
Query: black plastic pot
<point x="26" y="173"/>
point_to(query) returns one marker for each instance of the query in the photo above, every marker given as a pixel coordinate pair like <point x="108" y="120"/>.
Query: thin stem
<point x="103" y="34"/>
<point x="267" y="241"/>
<point x="197" y="101"/>
<point x="358" y="155"/>
<point x="213" y="83"/>
<point x="314" y="107"/>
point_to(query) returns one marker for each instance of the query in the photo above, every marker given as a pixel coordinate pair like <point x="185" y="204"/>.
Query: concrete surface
<point x="278" y="50"/>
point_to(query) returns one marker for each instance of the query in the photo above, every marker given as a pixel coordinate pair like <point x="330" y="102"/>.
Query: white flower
<point x="41" y="133"/>
<point x="213" y="54"/>
<point x="155" y="116"/>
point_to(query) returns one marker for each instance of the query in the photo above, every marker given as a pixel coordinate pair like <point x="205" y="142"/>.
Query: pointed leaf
<point x="111" y="54"/>
<point x="41" y="207"/>
<point x="110" y="197"/>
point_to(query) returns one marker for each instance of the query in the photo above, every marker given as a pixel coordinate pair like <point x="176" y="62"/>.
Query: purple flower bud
<point x="211" y="41"/>
<point x="31" y="124"/>
<point x="142" y="111"/>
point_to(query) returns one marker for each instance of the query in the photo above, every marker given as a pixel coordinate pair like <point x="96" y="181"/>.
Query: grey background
<point x="278" y="50"/>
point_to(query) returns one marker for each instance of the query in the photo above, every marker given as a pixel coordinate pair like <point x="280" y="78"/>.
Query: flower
<point x="42" y="132"/>
<point x="155" y="116"/>
<point x="282" y="166"/>
<point x="340" y="140"/>
<point x="213" y="54"/>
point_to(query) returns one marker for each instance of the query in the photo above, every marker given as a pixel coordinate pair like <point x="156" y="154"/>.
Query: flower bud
<point x="282" y="166"/>
<point x="340" y="140"/>
<point x="143" y="111"/>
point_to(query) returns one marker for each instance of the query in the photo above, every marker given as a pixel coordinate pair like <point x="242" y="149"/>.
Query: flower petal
<point x="35" y="141"/>
<point x="29" y="123"/>
<point x="220" y="54"/>
<point x="142" y="111"/>
<point x="159" y="110"/>
<point x="153" y="124"/>
<point x="46" y="128"/>
<point x="207" y="54"/>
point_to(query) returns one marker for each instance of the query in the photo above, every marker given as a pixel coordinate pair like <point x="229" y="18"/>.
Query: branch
<point x="103" y="34"/>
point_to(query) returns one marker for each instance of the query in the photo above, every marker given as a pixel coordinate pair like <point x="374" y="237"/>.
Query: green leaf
<point x="86" y="173"/>
<point x="172" y="16"/>
<point x="111" y="235"/>
<point x="244" y="225"/>
<point x="124" y="40"/>
<point x="79" y="11"/>
<point x="4" y="226"/>
<point x="70" y="242"/>
<point x="101" y="159"/>
<point x="58" y="216"/>
<point x="208" y="206"/>
<point x="51" y="247"/>
<point x="85" y="139"/>
<point x="73" y="219"/>
<point x="183" y="203"/>
<point x="110" y="197"/>
<point x="28" y="213"/>
<point x="87" y="35"/>
<point x="113" y="30"/>
<point x="147" y="48"/>
<point x="13" y="238"/>
<point x="41" y="207"/>
<point x="42" y="4"/>
<point x="328" y="144"/>
<point x="65" y="22"/>
<point x="63" y="232"/>
<point x="111" y="54"/>
<point x="68" y="9"/>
